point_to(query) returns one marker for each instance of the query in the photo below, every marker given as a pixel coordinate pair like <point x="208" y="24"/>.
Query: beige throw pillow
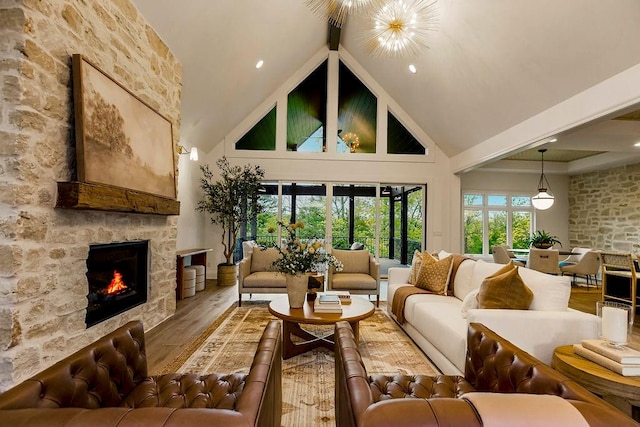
<point x="416" y="262"/>
<point x="434" y="274"/>
<point x="505" y="289"/>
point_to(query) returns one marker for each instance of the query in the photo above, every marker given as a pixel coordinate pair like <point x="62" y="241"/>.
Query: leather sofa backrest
<point x="97" y="376"/>
<point x="494" y="364"/>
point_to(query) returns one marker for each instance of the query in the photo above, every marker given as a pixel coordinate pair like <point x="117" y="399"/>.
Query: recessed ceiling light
<point x="413" y="69"/>
<point x="637" y="144"/>
<point x="553" y="139"/>
<point x="259" y="64"/>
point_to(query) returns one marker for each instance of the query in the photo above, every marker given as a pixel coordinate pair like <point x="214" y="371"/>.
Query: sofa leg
<point x="377" y="300"/>
<point x="239" y="300"/>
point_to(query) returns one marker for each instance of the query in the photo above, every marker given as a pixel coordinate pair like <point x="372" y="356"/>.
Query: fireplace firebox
<point x="118" y="279"/>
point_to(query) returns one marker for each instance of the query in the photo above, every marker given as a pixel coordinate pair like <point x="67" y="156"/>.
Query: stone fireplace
<point x="117" y="278"/>
<point x="44" y="279"/>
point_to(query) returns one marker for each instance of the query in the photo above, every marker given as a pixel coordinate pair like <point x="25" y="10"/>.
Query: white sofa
<point x="438" y="323"/>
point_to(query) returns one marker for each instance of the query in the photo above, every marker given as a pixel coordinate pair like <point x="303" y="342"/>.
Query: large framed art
<point x="120" y="140"/>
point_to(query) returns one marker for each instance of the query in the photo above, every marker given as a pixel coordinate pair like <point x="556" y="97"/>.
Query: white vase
<point x="297" y="289"/>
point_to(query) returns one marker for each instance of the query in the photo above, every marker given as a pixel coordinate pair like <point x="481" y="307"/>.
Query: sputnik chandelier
<point x="401" y="28"/>
<point x="336" y="11"/>
<point x="398" y="27"/>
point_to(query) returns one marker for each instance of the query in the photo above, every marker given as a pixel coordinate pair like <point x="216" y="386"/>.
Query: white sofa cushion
<point x="550" y="293"/>
<point x="437" y="318"/>
<point x="462" y="279"/>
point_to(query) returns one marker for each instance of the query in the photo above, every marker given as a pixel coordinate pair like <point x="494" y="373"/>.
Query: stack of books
<point x="345" y="296"/>
<point x="620" y="359"/>
<point x="327" y="304"/>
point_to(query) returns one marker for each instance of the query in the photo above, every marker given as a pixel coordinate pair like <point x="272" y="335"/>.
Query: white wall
<point x="190" y="222"/>
<point x="555" y="220"/>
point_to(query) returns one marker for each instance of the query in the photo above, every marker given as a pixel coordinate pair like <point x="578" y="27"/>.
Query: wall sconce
<point x="193" y="153"/>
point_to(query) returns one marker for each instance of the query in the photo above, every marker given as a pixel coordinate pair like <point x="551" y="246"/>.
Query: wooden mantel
<point x="85" y="195"/>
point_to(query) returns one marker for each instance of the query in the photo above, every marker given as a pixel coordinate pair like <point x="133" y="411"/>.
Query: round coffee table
<point x="623" y="392"/>
<point x="292" y="318"/>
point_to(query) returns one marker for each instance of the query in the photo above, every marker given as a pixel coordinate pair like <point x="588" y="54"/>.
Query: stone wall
<point x="604" y="209"/>
<point x="43" y="250"/>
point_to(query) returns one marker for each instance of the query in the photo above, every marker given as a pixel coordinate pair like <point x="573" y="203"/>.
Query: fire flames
<point x="117" y="285"/>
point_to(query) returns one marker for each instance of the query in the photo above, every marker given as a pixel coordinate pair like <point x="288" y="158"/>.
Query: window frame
<point x="485" y="208"/>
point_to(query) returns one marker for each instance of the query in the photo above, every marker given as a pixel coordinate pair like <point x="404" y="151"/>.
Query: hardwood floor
<point x="193" y="315"/>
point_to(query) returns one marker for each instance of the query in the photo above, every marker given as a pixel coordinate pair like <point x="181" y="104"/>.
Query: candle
<point x="614" y="324"/>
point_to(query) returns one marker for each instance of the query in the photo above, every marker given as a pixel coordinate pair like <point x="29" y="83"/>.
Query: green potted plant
<point x="543" y="240"/>
<point x="231" y="201"/>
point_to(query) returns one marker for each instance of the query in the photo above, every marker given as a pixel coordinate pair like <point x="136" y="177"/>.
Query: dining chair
<point x="588" y="266"/>
<point x="502" y="255"/>
<point x="544" y="260"/>
<point x="574" y="258"/>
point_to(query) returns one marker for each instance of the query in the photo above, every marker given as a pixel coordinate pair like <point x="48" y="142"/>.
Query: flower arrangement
<point x="302" y="256"/>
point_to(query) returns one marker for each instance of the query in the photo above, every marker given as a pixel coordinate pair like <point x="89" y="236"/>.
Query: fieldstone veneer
<point x="604" y="209"/>
<point x="43" y="251"/>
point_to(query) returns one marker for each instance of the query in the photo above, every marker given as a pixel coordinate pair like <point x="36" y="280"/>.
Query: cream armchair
<point x="360" y="274"/>
<point x="502" y="255"/>
<point x="256" y="276"/>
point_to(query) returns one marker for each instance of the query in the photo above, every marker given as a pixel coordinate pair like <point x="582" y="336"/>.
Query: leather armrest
<point x="420" y="413"/>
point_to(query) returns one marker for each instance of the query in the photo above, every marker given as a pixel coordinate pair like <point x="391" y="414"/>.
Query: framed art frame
<point x="120" y="140"/>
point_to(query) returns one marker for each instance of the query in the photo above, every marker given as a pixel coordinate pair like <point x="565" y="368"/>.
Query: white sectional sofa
<point x="438" y="323"/>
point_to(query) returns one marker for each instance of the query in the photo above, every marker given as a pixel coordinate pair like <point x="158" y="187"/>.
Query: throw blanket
<point x="401" y="294"/>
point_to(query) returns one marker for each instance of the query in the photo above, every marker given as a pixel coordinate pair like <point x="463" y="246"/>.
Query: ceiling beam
<point x="334" y="37"/>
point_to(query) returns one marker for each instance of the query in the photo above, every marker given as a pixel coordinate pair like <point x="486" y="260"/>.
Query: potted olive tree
<point x="231" y="201"/>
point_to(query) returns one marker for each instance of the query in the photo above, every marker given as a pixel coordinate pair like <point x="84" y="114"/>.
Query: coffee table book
<point x="625" y="370"/>
<point x="345" y="296"/>
<point x="327" y="304"/>
<point x="621" y="354"/>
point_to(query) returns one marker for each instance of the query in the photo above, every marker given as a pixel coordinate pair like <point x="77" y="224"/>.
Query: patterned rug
<point x="308" y="380"/>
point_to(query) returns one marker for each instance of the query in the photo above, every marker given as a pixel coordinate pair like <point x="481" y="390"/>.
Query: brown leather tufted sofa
<point x="106" y="384"/>
<point x="494" y="367"/>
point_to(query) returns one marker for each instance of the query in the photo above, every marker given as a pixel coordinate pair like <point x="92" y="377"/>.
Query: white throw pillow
<point x="550" y="293"/>
<point x="443" y="254"/>
<point x="469" y="302"/>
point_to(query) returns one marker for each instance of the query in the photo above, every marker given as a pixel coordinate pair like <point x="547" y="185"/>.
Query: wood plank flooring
<point x="193" y="315"/>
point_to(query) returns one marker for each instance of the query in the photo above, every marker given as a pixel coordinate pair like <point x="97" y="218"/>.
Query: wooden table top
<point x="594" y="377"/>
<point x="359" y="309"/>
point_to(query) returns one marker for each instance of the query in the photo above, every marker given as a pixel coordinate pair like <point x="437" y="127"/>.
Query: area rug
<point x="308" y="379"/>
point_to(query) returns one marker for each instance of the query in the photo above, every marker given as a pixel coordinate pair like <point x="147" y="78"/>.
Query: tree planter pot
<point x="226" y="274"/>
<point x="297" y="289"/>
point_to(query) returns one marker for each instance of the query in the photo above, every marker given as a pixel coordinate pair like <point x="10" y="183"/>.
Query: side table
<point x="198" y="257"/>
<point x="622" y="392"/>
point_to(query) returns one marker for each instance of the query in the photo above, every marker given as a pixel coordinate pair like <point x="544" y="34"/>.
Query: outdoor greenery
<point x="497" y="221"/>
<point x="312" y="211"/>
<point x="231" y="200"/>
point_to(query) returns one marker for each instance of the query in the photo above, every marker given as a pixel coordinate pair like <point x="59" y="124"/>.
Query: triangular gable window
<point x="357" y="114"/>
<point x="307" y="112"/>
<point x="400" y="140"/>
<point x="262" y="136"/>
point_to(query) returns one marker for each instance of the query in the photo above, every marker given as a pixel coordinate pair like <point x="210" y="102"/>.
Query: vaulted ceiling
<point x="490" y="65"/>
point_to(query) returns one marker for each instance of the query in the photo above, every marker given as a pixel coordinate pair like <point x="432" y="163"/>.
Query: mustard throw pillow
<point x="505" y="289"/>
<point x="434" y="274"/>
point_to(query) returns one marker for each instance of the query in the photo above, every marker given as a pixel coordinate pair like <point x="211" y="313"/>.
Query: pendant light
<point x="544" y="199"/>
